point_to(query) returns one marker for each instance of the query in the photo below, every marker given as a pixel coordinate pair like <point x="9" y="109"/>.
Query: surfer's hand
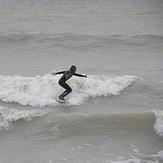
<point x="53" y="73"/>
<point x="85" y="76"/>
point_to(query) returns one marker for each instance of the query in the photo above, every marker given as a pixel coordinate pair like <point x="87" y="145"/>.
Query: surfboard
<point x="62" y="101"/>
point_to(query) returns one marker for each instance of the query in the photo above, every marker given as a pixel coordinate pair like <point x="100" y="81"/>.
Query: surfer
<point x="62" y="82"/>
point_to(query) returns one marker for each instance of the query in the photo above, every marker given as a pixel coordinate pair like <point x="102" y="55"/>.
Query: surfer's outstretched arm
<point x="80" y="75"/>
<point x="56" y="73"/>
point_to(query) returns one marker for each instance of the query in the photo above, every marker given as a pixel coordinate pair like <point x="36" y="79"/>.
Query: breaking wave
<point x="43" y="91"/>
<point x="8" y="116"/>
<point x="159" y="123"/>
<point x="63" y="126"/>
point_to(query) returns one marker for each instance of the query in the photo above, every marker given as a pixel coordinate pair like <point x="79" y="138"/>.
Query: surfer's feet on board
<point x="62" y="99"/>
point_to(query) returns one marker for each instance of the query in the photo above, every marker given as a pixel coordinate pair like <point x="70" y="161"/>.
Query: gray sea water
<point x="113" y="116"/>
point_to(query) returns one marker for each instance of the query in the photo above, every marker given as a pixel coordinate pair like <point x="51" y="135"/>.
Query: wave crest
<point x="42" y="91"/>
<point x="159" y="123"/>
<point x="8" y="116"/>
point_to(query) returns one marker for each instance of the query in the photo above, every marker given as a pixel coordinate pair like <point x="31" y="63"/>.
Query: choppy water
<point x="113" y="116"/>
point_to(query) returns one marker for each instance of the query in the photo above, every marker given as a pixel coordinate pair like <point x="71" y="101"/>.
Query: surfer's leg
<point x="66" y="92"/>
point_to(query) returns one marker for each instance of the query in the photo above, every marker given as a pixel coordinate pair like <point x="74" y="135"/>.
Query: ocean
<point x="115" y="115"/>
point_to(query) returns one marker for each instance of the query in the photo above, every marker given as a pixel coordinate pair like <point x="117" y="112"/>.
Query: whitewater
<point x="42" y="91"/>
<point x="115" y="115"/>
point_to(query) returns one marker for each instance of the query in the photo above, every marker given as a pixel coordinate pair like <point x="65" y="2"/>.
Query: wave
<point x="67" y="125"/>
<point x="13" y="38"/>
<point x="43" y="91"/>
<point x="159" y="123"/>
<point x="122" y="124"/>
<point x="8" y="116"/>
<point x="79" y="41"/>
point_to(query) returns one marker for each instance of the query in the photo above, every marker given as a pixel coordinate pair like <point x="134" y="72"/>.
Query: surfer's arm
<point x="56" y="73"/>
<point x="80" y="75"/>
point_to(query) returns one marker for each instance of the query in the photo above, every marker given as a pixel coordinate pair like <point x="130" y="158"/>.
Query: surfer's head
<point x="73" y="68"/>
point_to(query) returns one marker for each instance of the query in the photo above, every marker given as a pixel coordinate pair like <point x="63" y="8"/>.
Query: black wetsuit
<point x="62" y="82"/>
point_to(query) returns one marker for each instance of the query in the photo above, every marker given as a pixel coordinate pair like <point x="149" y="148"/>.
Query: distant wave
<point x="17" y="38"/>
<point x="78" y="41"/>
<point x="43" y="91"/>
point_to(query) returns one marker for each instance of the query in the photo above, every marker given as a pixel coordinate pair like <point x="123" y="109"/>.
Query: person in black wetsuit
<point x="67" y="75"/>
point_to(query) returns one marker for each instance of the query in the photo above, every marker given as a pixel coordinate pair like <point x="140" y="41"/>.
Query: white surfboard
<point x="62" y="101"/>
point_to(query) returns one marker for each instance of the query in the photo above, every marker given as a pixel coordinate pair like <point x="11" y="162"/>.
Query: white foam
<point x="158" y="126"/>
<point x="41" y="91"/>
<point x="98" y="85"/>
<point x="8" y="116"/>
